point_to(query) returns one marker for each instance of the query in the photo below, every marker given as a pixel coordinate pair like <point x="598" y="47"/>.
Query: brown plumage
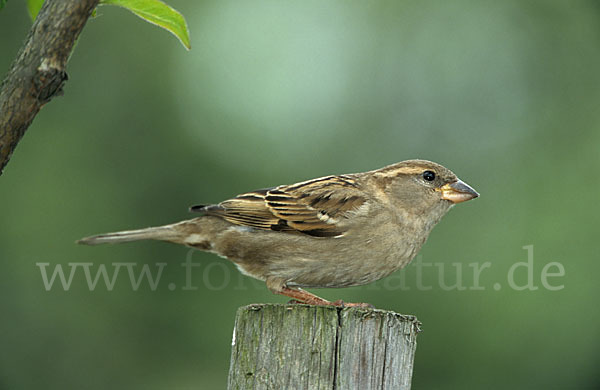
<point x="309" y="207"/>
<point x="334" y="231"/>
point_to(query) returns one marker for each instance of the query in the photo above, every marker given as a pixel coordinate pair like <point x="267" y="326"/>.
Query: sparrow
<point x="333" y="231"/>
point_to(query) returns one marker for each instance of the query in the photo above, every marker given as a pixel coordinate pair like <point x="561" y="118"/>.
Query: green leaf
<point x="158" y="13"/>
<point x="2" y="3"/>
<point x="34" y="6"/>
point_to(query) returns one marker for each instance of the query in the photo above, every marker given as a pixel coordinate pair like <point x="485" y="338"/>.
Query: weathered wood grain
<point x="314" y="347"/>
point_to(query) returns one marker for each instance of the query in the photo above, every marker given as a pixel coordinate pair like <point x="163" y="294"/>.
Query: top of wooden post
<point x="321" y="347"/>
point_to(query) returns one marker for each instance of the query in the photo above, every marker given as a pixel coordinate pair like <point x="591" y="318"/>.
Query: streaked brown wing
<point x="314" y="207"/>
<point x="246" y="209"/>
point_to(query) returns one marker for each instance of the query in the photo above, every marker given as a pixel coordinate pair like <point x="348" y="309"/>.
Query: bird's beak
<point x="457" y="192"/>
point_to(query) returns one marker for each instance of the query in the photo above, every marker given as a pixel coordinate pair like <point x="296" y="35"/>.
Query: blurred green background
<point x="506" y="94"/>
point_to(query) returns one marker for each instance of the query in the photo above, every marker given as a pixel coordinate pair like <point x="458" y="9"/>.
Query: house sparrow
<point x="334" y="231"/>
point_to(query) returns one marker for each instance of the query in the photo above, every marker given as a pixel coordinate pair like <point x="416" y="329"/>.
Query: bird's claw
<point x="362" y="305"/>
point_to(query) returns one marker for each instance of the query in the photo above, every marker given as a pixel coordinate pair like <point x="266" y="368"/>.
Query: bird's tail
<point x="173" y="233"/>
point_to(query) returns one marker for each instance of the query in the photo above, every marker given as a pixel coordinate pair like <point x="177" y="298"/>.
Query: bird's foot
<point x="304" y="297"/>
<point x="362" y="305"/>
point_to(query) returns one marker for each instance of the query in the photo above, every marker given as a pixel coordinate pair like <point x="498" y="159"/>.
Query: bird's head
<point x="422" y="187"/>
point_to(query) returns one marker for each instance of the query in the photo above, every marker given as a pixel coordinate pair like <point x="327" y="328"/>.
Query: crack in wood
<point x="284" y="346"/>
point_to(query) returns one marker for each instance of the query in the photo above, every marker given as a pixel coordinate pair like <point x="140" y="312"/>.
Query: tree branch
<point x="39" y="71"/>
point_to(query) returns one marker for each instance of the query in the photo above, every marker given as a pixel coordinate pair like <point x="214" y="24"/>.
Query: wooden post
<point x="316" y="347"/>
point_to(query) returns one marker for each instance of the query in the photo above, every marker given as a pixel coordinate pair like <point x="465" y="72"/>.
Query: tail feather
<point x="163" y="233"/>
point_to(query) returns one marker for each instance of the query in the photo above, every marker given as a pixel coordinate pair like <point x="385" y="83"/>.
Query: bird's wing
<point x="315" y="207"/>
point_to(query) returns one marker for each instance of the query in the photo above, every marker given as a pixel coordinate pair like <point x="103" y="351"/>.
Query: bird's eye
<point x="429" y="175"/>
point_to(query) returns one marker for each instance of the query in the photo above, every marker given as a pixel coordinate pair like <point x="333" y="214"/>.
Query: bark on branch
<point x="39" y="71"/>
